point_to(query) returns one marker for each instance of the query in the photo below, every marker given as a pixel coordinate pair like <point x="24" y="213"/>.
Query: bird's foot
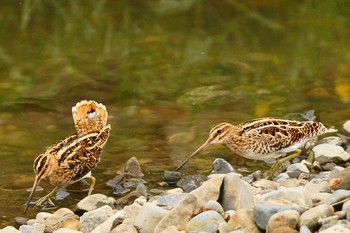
<point x="279" y="164"/>
<point x="46" y="198"/>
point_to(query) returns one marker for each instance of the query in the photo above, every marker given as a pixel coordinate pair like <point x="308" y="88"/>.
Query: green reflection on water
<point x="167" y="71"/>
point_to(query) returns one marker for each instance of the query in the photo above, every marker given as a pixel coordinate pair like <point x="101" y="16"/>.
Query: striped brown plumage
<point x="72" y="158"/>
<point x="263" y="138"/>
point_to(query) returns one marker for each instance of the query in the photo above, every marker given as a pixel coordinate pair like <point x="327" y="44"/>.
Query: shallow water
<point x="167" y="71"/>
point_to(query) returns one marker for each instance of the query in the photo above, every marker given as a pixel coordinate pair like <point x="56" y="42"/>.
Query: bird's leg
<point x="46" y="198"/>
<point x="279" y="162"/>
<point x="93" y="181"/>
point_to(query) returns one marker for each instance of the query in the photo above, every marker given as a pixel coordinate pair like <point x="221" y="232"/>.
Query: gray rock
<point x="191" y="182"/>
<point x="148" y="217"/>
<point x="336" y="229"/>
<point x="214" y="205"/>
<point x="296" y="196"/>
<point x="304" y="229"/>
<point x="337" y="196"/>
<point x="296" y="169"/>
<point x="90" y="220"/>
<point x="95" y="201"/>
<point x="169" y="201"/>
<point x="115" y="219"/>
<point x="9" y="229"/>
<point x="288" y="218"/>
<point x="221" y="166"/>
<point x="263" y="212"/>
<point x="236" y="193"/>
<point x="310" y="217"/>
<point x="33" y="228"/>
<point x="182" y="212"/>
<point x="171" y="177"/>
<point x="206" y="222"/>
<point x="325" y="153"/>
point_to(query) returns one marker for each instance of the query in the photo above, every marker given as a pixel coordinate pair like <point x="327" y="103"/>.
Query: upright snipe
<point x="73" y="158"/>
<point x="264" y="138"/>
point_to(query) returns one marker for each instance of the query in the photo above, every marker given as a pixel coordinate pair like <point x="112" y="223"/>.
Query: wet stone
<point x="191" y="182"/>
<point x="171" y="177"/>
<point x="221" y="166"/>
<point x="119" y="190"/>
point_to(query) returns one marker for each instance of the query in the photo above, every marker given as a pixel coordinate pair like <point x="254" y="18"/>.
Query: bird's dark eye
<point x="218" y="131"/>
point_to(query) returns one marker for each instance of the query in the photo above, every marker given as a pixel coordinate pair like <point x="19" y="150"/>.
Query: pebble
<point x="191" y="182"/>
<point x="9" y="229"/>
<point x="263" y="212"/>
<point x="214" y="205"/>
<point x="325" y="153"/>
<point x="296" y="169"/>
<point x="171" y="177"/>
<point x="236" y="193"/>
<point x="90" y="220"/>
<point x="94" y="201"/>
<point x="243" y="219"/>
<point x="148" y="217"/>
<point x="221" y="166"/>
<point x="310" y="217"/>
<point x="336" y="229"/>
<point x="206" y="222"/>
<point x="287" y="218"/>
<point x="337" y="196"/>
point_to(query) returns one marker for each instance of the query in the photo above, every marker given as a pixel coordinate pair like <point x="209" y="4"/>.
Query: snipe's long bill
<point x="73" y="158"/>
<point x="263" y="138"/>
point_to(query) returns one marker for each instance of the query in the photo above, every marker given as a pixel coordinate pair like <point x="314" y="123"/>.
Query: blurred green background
<point x="167" y="71"/>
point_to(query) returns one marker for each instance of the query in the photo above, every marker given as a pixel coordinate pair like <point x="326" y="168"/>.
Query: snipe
<point x="264" y="138"/>
<point x="73" y="158"/>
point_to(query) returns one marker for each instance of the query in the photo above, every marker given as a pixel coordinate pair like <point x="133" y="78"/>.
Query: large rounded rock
<point x="242" y="220"/>
<point x="115" y="219"/>
<point x="294" y="196"/>
<point x="182" y="212"/>
<point x="336" y="229"/>
<point x="90" y="220"/>
<point x="287" y="218"/>
<point x="95" y="201"/>
<point x="310" y="217"/>
<point x="9" y="229"/>
<point x="236" y="193"/>
<point x="326" y="153"/>
<point x="207" y="221"/>
<point x="148" y="217"/>
<point x="263" y="212"/>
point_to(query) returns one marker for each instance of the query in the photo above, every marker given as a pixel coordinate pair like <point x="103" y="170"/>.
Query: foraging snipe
<point x="263" y="138"/>
<point x="73" y="158"/>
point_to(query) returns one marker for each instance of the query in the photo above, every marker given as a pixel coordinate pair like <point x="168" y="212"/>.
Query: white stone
<point x="326" y="153"/>
<point x="148" y="217"/>
<point x="346" y="126"/>
<point x="336" y="229"/>
<point x="107" y="225"/>
<point x="94" y="201"/>
<point x="9" y="229"/>
<point x="66" y="230"/>
<point x="90" y="220"/>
